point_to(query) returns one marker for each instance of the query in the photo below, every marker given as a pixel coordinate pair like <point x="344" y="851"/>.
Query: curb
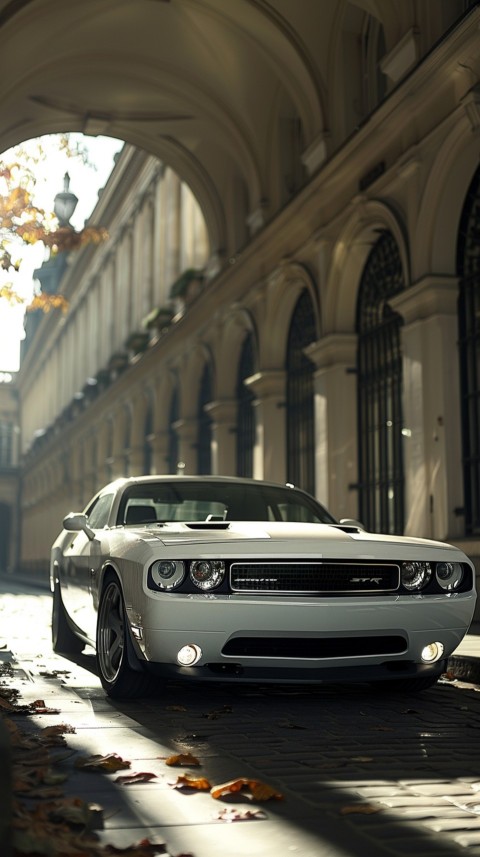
<point x="464" y="667"/>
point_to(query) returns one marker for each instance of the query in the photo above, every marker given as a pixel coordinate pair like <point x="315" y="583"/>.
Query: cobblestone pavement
<point x="362" y="774"/>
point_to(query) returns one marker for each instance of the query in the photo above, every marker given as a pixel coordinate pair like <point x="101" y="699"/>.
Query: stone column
<point x="187" y="430"/>
<point x="335" y="402"/>
<point x="224" y="418"/>
<point x="432" y="430"/>
<point x="136" y="461"/>
<point x="159" y="445"/>
<point x="269" y="458"/>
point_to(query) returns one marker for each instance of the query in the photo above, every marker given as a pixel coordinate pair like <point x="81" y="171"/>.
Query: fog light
<point x="189" y="655"/>
<point x="432" y="652"/>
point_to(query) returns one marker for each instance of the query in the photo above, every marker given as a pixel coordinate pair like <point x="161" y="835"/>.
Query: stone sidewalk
<point x="360" y="774"/>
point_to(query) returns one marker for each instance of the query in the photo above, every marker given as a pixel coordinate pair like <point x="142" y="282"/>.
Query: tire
<point x="64" y="641"/>
<point x="118" y="678"/>
<point x="406" y="685"/>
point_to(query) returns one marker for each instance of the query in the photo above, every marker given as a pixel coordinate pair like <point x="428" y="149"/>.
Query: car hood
<point x="284" y="537"/>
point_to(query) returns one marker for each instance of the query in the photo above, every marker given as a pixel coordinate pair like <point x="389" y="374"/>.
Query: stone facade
<point x="9" y="472"/>
<point x="340" y="263"/>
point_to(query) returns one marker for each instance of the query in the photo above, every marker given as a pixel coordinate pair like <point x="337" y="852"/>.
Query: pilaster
<point x="269" y="456"/>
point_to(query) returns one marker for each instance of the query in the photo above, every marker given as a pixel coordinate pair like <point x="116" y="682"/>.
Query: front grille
<point x="314" y="577"/>
<point x="318" y="647"/>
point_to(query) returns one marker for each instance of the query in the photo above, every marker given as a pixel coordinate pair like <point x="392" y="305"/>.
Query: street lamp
<point x="65" y="203"/>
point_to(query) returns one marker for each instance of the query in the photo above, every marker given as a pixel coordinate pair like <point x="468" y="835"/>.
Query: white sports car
<point x="240" y="580"/>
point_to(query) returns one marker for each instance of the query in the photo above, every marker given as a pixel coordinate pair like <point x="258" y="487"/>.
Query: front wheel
<point x="118" y="679"/>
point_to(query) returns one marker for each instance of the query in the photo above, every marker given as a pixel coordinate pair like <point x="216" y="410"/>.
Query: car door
<point x="82" y="559"/>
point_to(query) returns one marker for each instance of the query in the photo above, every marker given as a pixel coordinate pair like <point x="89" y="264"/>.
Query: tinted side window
<point x="99" y="512"/>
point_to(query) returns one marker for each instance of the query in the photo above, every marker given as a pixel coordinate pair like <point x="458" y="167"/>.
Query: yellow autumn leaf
<point x="183" y="759"/>
<point x="258" y="790"/>
<point x="190" y="781"/>
<point x="108" y="763"/>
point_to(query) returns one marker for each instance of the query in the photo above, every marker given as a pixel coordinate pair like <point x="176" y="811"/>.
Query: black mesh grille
<point x="317" y="647"/>
<point x="314" y="577"/>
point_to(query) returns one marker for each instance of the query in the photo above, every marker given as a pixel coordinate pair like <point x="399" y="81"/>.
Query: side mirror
<point x="76" y="522"/>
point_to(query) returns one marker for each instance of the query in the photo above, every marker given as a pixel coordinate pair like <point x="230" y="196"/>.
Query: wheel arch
<point x="110" y="572"/>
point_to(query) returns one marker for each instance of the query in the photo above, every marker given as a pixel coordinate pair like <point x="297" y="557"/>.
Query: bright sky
<point x="85" y="182"/>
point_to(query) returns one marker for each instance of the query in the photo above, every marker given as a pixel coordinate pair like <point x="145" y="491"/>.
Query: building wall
<point x="9" y="472"/>
<point x="406" y="172"/>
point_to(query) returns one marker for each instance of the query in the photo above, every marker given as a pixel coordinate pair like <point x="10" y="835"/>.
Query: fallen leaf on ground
<point x="53" y="735"/>
<point x="175" y="708"/>
<point x="145" y="848"/>
<point x="39" y="707"/>
<point x="257" y="789"/>
<point x="109" y="763"/>
<point x="183" y="759"/>
<point x="132" y="779"/>
<point x="53" y="673"/>
<point x="190" y="781"/>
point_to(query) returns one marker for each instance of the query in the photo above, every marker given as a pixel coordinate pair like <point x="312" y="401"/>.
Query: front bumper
<point x="215" y="623"/>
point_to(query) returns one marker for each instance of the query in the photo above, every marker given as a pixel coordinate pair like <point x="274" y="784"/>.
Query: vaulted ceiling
<point x="202" y="84"/>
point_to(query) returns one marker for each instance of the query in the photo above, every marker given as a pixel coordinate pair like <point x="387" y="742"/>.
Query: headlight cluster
<point x="168" y="574"/>
<point x="415" y="576"/>
<point x="205" y="574"/>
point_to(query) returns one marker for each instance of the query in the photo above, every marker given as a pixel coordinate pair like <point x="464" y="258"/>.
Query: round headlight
<point x="167" y="573"/>
<point x="449" y="574"/>
<point x="207" y="573"/>
<point x="415" y="575"/>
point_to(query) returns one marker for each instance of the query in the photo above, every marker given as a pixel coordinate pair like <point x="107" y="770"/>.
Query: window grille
<point x="379" y="391"/>
<point x="245" y="410"/>
<point x="300" y="416"/>
<point x="468" y="266"/>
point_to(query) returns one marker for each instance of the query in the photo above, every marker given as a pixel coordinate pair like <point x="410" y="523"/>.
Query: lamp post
<point x="51" y="271"/>
<point x="65" y="203"/>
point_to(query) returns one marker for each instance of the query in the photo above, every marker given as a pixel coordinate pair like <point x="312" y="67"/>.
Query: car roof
<point x="239" y="480"/>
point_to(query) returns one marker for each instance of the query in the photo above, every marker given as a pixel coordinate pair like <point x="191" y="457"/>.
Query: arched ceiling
<point x="201" y="84"/>
<point x="194" y="82"/>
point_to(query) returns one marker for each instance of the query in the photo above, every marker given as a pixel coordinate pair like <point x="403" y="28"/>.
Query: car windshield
<point x="217" y="501"/>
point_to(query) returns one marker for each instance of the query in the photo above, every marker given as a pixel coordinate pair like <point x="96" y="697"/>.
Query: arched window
<point x="204" y="454"/>
<point x="468" y="267"/>
<point x="245" y="410"/>
<point x="363" y="47"/>
<point x="379" y="390"/>
<point x="300" y="417"/>
<point x="172" y="455"/>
